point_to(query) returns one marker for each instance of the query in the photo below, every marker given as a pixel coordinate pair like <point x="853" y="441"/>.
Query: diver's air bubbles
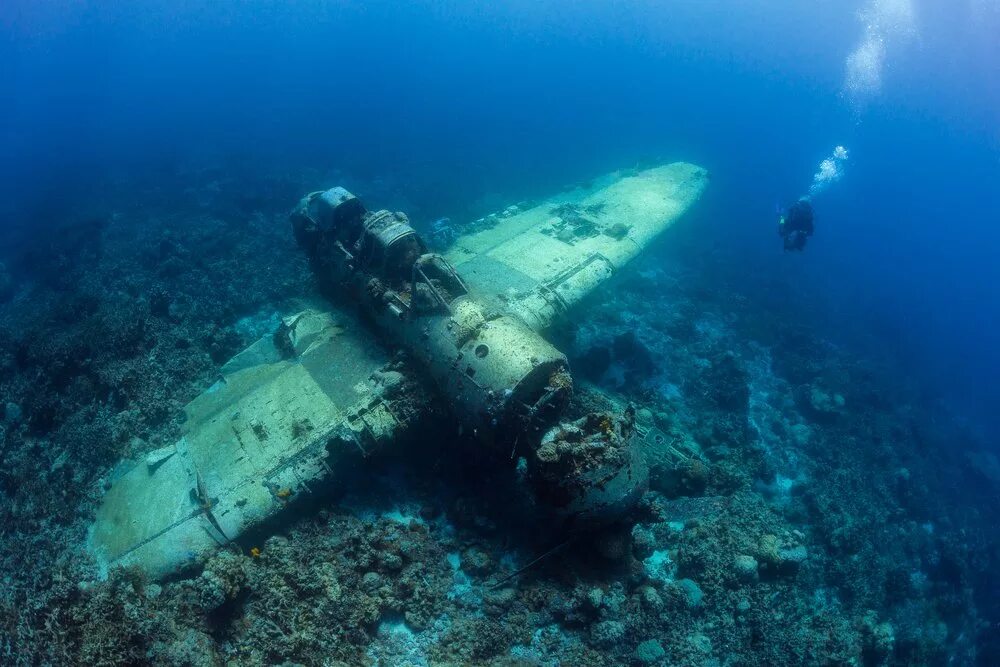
<point x="830" y="170"/>
<point x="887" y="23"/>
<point x="864" y="70"/>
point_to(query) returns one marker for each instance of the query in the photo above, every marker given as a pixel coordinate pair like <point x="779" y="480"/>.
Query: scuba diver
<point x="795" y="226"/>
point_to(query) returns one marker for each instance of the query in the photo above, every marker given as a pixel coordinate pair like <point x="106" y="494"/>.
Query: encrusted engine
<point x="503" y="380"/>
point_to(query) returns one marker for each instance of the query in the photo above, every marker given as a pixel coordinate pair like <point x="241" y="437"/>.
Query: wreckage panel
<point x="568" y="245"/>
<point x="342" y="363"/>
<point x="258" y="355"/>
<point x="495" y="280"/>
<point x="250" y="441"/>
<point x="125" y="519"/>
<point x="264" y="424"/>
<point x="481" y="243"/>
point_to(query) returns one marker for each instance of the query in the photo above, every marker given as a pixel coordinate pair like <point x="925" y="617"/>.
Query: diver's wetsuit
<point x="796" y="226"/>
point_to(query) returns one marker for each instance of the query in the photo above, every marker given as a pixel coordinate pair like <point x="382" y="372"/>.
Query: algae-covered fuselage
<point x="325" y="388"/>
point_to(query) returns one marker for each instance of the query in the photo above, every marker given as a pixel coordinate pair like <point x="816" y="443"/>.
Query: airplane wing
<point x="540" y="262"/>
<point x="285" y="410"/>
<point x="320" y="393"/>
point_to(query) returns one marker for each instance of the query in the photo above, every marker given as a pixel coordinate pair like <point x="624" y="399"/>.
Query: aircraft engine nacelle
<point x="501" y="377"/>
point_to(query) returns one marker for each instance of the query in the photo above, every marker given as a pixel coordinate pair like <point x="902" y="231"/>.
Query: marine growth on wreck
<point x="509" y="334"/>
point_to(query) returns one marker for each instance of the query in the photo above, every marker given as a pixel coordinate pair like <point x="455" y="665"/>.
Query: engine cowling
<point x="501" y="377"/>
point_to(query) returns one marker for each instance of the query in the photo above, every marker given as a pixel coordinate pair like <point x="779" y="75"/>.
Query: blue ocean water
<point x="455" y="100"/>
<point x="453" y="107"/>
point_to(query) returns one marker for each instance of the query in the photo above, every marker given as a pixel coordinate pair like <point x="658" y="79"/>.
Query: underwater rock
<point x="745" y="568"/>
<point x="794" y="555"/>
<point x="778" y="558"/>
<point x="649" y="652"/>
<point x="497" y="602"/>
<point x="728" y="383"/>
<point x="651" y="598"/>
<point x="607" y="634"/>
<point x="767" y="551"/>
<point x="391" y="561"/>
<point x="691" y="593"/>
<point x="371" y="582"/>
<point x="212" y="592"/>
<point x="191" y="648"/>
<point x="12" y="413"/>
<point x="879" y="637"/>
<point x="643" y="542"/>
<point x="222" y="580"/>
<point x="595" y="598"/>
<point x="701" y="643"/>
<point x="477" y="561"/>
<point x="823" y="403"/>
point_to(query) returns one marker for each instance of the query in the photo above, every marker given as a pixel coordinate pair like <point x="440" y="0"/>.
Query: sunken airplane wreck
<point x="322" y="392"/>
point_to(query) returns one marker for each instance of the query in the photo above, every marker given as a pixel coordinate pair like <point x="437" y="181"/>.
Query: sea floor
<point x="808" y="504"/>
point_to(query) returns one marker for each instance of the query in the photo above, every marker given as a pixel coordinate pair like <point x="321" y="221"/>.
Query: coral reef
<point x="801" y="507"/>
